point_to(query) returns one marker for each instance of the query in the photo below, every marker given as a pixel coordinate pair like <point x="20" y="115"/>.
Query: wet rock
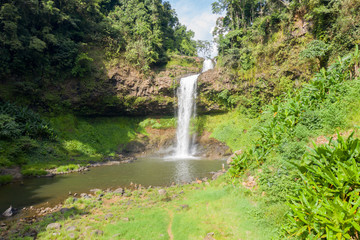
<point x="9" y="212"/>
<point x="162" y="192"/>
<point x="52" y="226"/>
<point x="108" y="216"/>
<point x="83" y="195"/>
<point x="95" y="190"/>
<point x="119" y="191"/>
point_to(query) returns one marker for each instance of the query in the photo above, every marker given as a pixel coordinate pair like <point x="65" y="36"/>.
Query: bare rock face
<point x="152" y="94"/>
<point x="212" y="148"/>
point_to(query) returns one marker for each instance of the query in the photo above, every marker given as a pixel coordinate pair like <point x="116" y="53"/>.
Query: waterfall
<point x="187" y="111"/>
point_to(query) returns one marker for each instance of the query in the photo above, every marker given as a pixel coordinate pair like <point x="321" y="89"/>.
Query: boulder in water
<point x="9" y="212"/>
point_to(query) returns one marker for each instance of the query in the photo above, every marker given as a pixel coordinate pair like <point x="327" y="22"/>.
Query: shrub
<point x="20" y="121"/>
<point x="328" y="202"/>
<point x="8" y="127"/>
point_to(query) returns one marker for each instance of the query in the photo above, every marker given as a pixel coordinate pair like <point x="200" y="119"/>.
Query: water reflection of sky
<point x="146" y="171"/>
<point x="183" y="173"/>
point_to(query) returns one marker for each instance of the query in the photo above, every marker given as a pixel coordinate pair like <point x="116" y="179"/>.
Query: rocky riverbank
<point x="45" y="216"/>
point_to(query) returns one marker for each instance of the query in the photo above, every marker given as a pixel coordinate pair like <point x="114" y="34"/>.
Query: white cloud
<point x="197" y="16"/>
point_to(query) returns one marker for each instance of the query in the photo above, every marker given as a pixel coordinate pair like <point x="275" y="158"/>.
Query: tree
<point x="317" y="49"/>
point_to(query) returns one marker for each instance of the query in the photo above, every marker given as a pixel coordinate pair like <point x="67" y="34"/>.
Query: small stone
<point x="53" y="226"/>
<point x="56" y="234"/>
<point x="97" y="232"/>
<point x="75" y="194"/>
<point x="71" y="235"/>
<point x="185" y="206"/>
<point x="209" y="236"/>
<point x="108" y="216"/>
<point x="9" y="212"/>
<point x="125" y="219"/>
<point x="71" y="228"/>
<point x="119" y="191"/>
<point x="162" y="191"/>
<point x="65" y="210"/>
<point x="95" y="190"/>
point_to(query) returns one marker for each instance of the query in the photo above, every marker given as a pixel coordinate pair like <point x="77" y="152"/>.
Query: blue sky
<point x="196" y="15"/>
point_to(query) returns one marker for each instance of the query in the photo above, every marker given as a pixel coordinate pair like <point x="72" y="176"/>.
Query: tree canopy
<point x="49" y="36"/>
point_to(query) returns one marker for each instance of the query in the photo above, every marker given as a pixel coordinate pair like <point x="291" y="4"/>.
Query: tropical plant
<point x="328" y="201"/>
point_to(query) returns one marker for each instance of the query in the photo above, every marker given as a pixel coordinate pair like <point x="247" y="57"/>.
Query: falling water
<point x="186" y="111"/>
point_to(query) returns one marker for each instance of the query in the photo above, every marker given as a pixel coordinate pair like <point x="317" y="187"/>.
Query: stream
<point x="144" y="171"/>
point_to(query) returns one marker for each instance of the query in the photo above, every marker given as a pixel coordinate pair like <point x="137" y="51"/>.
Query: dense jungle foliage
<point x="46" y="38"/>
<point x="272" y="46"/>
<point x="321" y="184"/>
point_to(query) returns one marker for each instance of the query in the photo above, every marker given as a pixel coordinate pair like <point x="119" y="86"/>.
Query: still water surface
<point x="144" y="171"/>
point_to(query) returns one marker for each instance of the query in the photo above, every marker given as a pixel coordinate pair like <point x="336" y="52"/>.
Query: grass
<point x="4" y="179"/>
<point x="228" y="211"/>
<point x="234" y="128"/>
<point x="92" y="136"/>
<point x="33" y="172"/>
<point x="182" y="61"/>
<point x="70" y="167"/>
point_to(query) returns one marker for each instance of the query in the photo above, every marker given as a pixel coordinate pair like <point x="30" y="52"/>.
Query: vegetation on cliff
<point x="271" y="47"/>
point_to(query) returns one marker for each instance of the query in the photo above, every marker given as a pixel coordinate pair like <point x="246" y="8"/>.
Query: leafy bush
<point x="239" y="163"/>
<point x="328" y="202"/>
<point x="16" y="121"/>
<point x="8" y="127"/>
<point x="82" y="65"/>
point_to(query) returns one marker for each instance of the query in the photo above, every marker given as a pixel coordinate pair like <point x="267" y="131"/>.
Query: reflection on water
<point x="146" y="171"/>
<point x="182" y="174"/>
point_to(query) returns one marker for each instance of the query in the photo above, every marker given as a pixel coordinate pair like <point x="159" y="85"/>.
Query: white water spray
<point x="186" y="111"/>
